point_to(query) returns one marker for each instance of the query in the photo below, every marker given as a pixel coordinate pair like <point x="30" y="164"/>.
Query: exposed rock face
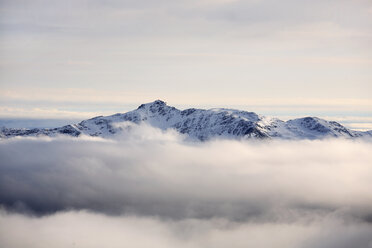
<point x="200" y="124"/>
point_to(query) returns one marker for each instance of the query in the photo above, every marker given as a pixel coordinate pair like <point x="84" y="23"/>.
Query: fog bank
<point x="183" y="194"/>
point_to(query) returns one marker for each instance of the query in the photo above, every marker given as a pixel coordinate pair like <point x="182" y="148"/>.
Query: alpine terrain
<point x="199" y="124"/>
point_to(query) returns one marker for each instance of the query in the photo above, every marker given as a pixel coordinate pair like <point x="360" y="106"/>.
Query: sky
<point x="75" y="59"/>
<point x="64" y="61"/>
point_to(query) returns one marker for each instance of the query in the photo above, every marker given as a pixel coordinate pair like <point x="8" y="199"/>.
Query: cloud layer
<point x="84" y="229"/>
<point x="169" y="48"/>
<point x="179" y="194"/>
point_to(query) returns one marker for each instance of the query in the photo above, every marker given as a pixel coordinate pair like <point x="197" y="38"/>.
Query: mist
<point x="154" y="188"/>
<point x="85" y="229"/>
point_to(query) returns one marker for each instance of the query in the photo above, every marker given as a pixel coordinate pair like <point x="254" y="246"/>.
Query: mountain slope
<point x="199" y="124"/>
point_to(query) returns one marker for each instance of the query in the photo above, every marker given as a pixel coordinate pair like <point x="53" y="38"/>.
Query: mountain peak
<point x="154" y="103"/>
<point x="200" y="124"/>
<point x="158" y="102"/>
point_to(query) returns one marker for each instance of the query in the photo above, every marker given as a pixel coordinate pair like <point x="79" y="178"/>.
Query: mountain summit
<point x="199" y="124"/>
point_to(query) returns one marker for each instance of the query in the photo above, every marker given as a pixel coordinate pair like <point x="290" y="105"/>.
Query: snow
<point x="199" y="124"/>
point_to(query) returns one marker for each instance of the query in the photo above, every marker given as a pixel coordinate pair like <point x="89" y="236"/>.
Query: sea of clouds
<point x="150" y="188"/>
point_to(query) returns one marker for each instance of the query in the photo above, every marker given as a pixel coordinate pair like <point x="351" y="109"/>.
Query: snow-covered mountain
<point x="199" y="124"/>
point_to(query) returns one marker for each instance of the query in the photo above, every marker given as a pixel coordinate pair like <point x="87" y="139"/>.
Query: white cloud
<point x="44" y="113"/>
<point x="152" y="184"/>
<point x="107" y="96"/>
<point x="88" y="230"/>
<point x="360" y="126"/>
<point x="293" y="48"/>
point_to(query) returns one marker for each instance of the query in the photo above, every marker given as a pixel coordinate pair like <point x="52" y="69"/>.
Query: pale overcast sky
<point x="76" y="58"/>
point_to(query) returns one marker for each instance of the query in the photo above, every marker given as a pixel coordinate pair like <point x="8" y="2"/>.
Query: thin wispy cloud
<point x="159" y="48"/>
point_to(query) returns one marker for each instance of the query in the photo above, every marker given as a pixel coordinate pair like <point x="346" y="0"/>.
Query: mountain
<point x="199" y="124"/>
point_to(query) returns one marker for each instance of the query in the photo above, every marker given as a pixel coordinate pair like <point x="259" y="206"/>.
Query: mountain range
<point x="199" y="124"/>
